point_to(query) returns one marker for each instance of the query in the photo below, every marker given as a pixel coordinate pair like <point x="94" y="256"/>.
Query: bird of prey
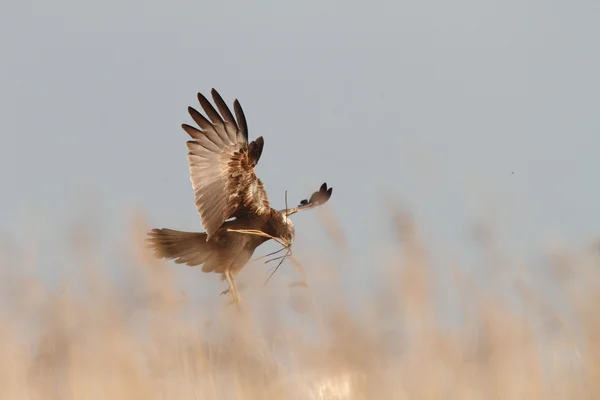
<point x="231" y="200"/>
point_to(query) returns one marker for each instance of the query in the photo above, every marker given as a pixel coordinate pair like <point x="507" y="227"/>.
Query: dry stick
<point x="282" y="242"/>
<point x="278" y="240"/>
<point x="289" y="253"/>
<point x="278" y="258"/>
<point x="267" y="255"/>
<point x="296" y="263"/>
<point x="260" y="233"/>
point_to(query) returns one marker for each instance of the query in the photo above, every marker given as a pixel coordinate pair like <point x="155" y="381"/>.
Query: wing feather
<point x="221" y="164"/>
<point x="231" y="126"/>
<point x="217" y="122"/>
<point x="241" y="120"/>
<point x="317" y="199"/>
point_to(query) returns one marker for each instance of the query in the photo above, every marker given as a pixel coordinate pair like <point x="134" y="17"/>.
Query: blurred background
<point x="460" y="138"/>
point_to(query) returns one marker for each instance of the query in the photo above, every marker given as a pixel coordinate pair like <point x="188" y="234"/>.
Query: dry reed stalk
<point x="94" y="338"/>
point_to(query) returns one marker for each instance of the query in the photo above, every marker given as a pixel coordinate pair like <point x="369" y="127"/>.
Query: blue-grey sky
<point x="459" y="110"/>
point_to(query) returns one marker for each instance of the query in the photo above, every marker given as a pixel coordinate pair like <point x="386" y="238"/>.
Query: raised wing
<point x="222" y="162"/>
<point x="316" y="199"/>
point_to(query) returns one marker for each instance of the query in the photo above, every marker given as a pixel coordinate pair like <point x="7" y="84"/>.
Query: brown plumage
<point x="228" y="196"/>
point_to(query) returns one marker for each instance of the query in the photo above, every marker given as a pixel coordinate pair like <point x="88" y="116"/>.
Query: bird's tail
<point x="190" y="248"/>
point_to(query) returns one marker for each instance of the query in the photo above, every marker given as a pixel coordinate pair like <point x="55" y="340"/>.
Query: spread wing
<point x="221" y="163"/>
<point x="316" y="199"/>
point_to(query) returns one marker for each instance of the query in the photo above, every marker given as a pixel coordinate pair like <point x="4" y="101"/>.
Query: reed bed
<point x="413" y="336"/>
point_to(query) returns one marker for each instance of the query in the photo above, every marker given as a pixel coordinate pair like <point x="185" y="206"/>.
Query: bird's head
<point x="289" y="233"/>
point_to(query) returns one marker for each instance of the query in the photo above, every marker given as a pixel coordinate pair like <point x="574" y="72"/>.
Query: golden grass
<point x="141" y="338"/>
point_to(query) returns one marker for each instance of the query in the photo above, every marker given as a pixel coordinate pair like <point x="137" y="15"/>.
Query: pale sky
<point x="460" y="110"/>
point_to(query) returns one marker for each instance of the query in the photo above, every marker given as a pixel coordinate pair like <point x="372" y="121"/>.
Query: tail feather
<point x="190" y="248"/>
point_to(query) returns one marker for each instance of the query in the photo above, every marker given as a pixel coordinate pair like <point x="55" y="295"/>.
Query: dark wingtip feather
<point x="190" y="130"/>
<point x="241" y="118"/>
<point x="260" y="144"/>
<point x="255" y="149"/>
<point x="199" y="118"/>
<point x="209" y="109"/>
<point x="215" y="95"/>
<point x="223" y="108"/>
<point x="201" y="98"/>
<point x="193" y="112"/>
<point x="318" y="198"/>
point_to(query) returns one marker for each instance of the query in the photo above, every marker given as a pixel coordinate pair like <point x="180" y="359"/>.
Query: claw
<point x="228" y="290"/>
<point x="233" y="299"/>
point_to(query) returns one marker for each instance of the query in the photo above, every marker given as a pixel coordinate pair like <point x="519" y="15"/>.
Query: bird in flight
<point x="229" y="197"/>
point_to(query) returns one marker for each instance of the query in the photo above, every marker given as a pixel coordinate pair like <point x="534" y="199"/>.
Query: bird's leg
<point x="232" y="289"/>
<point x="237" y="293"/>
<point x="226" y="291"/>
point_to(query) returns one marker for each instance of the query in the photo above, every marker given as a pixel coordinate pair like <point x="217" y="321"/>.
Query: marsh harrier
<point x="229" y="197"/>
